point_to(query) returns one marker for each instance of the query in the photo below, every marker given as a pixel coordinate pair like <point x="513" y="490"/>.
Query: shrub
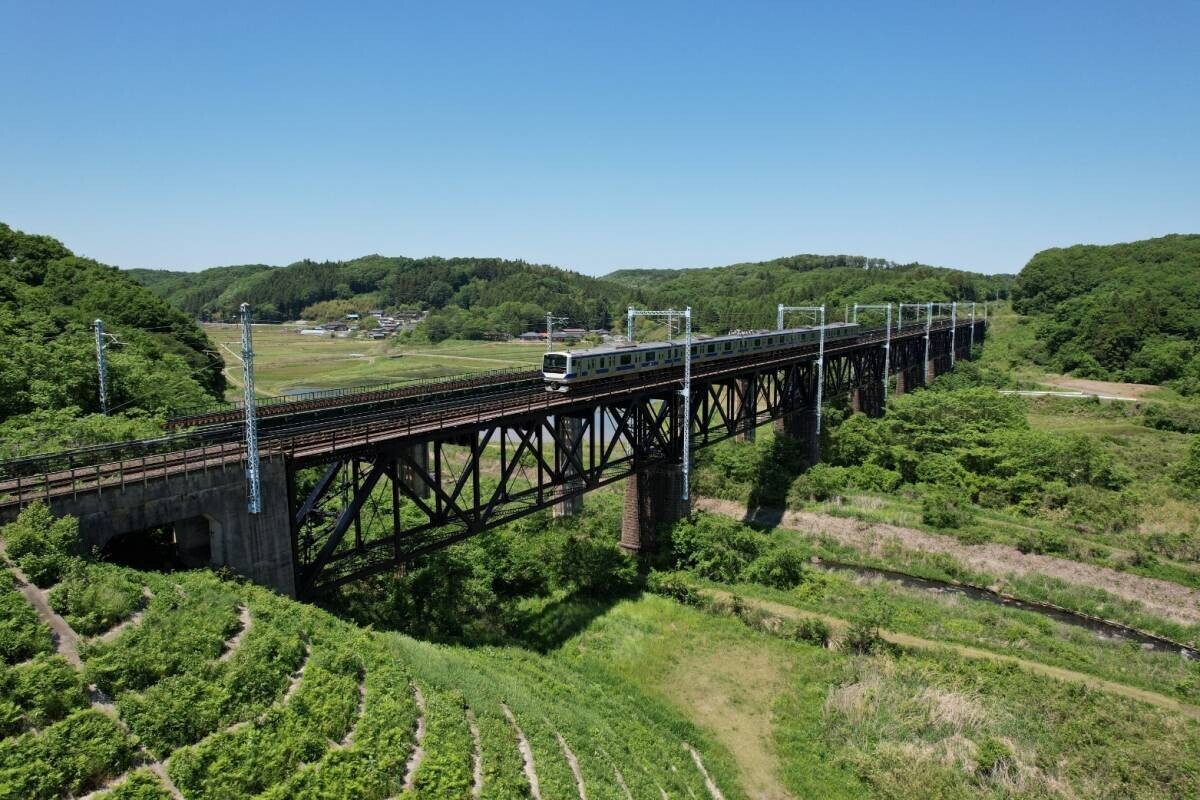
<point x="779" y="567"/>
<point x="715" y="548"/>
<point x="1042" y="542"/>
<point x="1187" y="471"/>
<point x="141" y="785"/>
<point x="46" y="689"/>
<point x="819" y="482"/>
<point x="992" y="756"/>
<point x="42" y="545"/>
<point x="863" y="636"/>
<point x="812" y="630"/>
<point x="72" y="756"/>
<point x="945" y="508"/>
<point x="22" y="634"/>
<point x="674" y="585"/>
<point x="95" y="597"/>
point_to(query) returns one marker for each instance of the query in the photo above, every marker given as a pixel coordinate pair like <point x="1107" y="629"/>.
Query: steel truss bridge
<point x="354" y="493"/>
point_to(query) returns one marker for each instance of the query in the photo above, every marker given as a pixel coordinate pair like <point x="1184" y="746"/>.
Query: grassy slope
<point x="807" y="722"/>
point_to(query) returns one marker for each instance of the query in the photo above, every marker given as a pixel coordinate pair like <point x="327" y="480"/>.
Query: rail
<point x="59" y="474"/>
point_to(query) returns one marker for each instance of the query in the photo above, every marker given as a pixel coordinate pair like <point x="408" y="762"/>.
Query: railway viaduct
<point x="370" y="487"/>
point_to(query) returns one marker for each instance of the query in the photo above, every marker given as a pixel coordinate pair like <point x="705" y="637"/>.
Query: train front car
<point x="556" y="369"/>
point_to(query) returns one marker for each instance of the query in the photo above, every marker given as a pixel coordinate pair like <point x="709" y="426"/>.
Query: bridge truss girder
<point x="378" y="508"/>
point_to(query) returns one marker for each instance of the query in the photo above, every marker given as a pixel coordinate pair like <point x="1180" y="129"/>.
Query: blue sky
<point x="598" y="135"/>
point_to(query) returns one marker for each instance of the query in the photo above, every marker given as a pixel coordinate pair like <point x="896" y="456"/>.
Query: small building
<point x="377" y="313"/>
<point x="532" y="336"/>
<point x="313" y="332"/>
<point x="335" y="326"/>
<point x="352" y="315"/>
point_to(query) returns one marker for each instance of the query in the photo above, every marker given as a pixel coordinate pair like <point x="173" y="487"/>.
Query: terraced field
<point x="218" y="689"/>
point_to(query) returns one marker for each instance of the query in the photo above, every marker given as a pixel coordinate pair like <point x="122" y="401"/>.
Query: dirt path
<point x="573" y="762"/>
<point x="1036" y="667"/>
<point x="66" y="641"/>
<point x="1164" y="598"/>
<point x="1128" y="391"/>
<point x="235" y="641"/>
<point x="476" y="756"/>
<point x="418" y="752"/>
<point x="535" y="789"/>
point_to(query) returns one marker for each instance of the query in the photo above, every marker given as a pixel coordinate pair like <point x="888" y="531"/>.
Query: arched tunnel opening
<point x="186" y="544"/>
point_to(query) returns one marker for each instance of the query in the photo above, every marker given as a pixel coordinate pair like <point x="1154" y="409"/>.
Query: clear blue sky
<point x="600" y="135"/>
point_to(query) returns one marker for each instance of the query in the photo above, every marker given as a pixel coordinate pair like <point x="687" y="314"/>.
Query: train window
<point x="712" y="348"/>
<point x="694" y="349"/>
<point x="758" y="342"/>
<point x="728" y="346"/>
<point x="626" y="359"/>
<point x="770" y="340"/>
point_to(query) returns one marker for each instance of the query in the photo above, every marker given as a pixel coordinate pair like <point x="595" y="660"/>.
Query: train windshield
<point x="554" y="362"/>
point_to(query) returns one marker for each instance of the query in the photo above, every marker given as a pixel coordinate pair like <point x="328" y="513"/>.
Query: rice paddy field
<point x="288" y="362"/>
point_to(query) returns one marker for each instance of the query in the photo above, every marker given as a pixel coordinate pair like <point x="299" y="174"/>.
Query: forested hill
<point x="475" y="297"/>
<point x="385" y="282"/>
<point x="745" y="295"/>
<point x="159" y="359"/>
<point x="1121" y="312"/>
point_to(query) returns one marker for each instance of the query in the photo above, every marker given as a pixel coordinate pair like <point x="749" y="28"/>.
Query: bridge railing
<point x="108" y="465"/>
<point x="347" y="392"/>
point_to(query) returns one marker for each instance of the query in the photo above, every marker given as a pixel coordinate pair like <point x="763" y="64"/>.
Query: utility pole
<point x="254" y="486"/>
<point x="101" y="365"/>
<point x="972" y="327"/>
<point x="818" y="312"/>
<point x="928" y="322"/>
<point x="953" y="329"/>
<point x="887" y="342"/>
<point x="550" y="319"/>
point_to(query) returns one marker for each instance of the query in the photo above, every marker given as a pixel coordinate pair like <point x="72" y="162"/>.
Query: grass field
<point x="287" y="362"/>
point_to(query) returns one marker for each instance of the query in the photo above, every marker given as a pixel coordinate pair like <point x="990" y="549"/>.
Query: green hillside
<point x="1124" y="312"/>
<point x="159" y="359"/>
<point x="470" y="298"/>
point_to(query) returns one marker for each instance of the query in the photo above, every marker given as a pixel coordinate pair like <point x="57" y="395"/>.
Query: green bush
<point x="819" y="482"/>
<point x="812" y="630"/>
<point x="22" y="634"/>
<point x="46" y="689"/>
<point x="674" y="585"/>
<point x="779" y="567"/>
<point x="1043" y="543"/>
<point x="714" y="547"/>
<point x="74" y="755"/>
<point x="95" y="597"/>
<point x="141" y="785"/>
<point x="945" y="508"/>
<point x="43" y="546"/>
<point x="1187" y="472"/>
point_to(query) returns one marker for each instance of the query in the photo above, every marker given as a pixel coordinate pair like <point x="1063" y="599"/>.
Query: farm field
<point x="287" y="362"/>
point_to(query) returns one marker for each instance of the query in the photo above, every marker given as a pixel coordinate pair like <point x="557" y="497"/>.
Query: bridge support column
<point x="931" y="371"/>
<point x="867" y="400"/>
<point x="419" y="453"/>
<point x="746" y="408"/>
<point x="571" y="431"/>
<point x="653" y="497"/>
<point x="802" y="426"/>
<point x="901" y="382"/>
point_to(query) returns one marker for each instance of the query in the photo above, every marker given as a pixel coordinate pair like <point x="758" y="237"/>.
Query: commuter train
<point x="562" y="370"/>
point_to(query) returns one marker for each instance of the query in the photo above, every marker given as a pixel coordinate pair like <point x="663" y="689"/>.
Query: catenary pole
<point x="101" y="366"/>
<point x="254" y="486"/>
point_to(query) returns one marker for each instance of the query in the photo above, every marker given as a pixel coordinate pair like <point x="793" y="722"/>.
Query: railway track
<point x="350" y="400"/>
<point x="330" y="437"/>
